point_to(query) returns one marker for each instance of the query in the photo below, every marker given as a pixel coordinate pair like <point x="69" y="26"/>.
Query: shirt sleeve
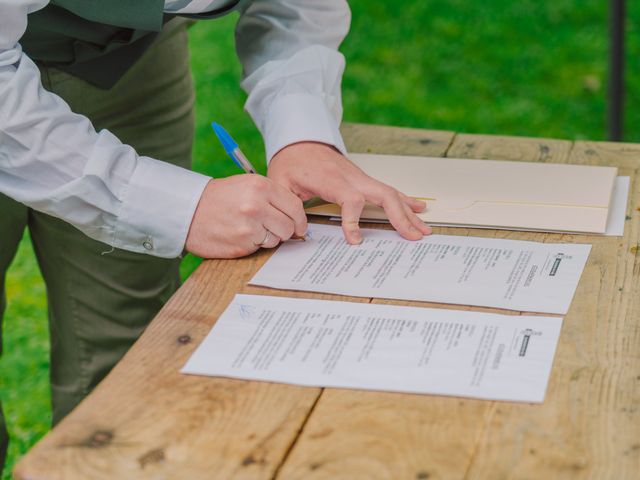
<point x="54" y="161"/>
<point x="292" y="69"/>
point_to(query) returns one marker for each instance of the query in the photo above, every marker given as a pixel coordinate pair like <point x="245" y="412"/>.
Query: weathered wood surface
<point x="145" y="420"/>
<point x="382" y="435"/>
<point x="389" y="140"/>
<point x="496" y="147"/>
<point x="589" y="425"/>
<point x="148" y="421"/>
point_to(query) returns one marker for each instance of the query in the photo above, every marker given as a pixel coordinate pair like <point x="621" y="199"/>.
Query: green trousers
<point x="100" y="304"/>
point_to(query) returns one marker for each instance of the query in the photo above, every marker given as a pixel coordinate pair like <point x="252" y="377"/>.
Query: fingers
<point x="280" y="225"/>
<point x="399" y="208"/>
<point x="399" y="216"/>
<point x="416" y="221"/>
<point x="414" y="204"/>
<point x="351" y="211"/>
<point x="291" y="206"/>
<point x="269" y="240"/>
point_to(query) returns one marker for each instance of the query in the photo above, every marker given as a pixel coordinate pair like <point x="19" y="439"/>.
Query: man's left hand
<point x="311" y="169"/>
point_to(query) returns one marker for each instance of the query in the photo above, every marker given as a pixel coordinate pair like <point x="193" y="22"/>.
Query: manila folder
<point x="492" y="193"/>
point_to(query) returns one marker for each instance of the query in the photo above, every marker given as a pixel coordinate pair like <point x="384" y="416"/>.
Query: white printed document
<point x="380" y="347"/>
<point x="490" y="272"/>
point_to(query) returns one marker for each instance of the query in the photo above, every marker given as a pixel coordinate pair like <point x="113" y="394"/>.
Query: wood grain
<point x="498" y="147"/>
<point x="373" y="435"/>
<point x="147" y="421"/>
<point x="394" y="140"/>
<point x="623" y="155"/>
<point x="589" y="425"/>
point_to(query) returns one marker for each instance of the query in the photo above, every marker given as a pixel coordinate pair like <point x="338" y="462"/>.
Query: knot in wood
<point x="99" y="439"/>
<point x="251" y="460"/>
<point x="184" y="339"/>
<point x="151" y="457"/>
<point x="544" y="152"/>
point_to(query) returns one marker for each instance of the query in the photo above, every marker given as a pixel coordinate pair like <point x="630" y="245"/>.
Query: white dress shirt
<point x="54" y="161"/>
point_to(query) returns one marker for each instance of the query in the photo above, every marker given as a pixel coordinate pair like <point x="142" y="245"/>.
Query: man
<point x="96" y="127"/>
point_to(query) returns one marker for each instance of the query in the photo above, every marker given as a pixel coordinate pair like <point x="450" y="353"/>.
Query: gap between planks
<point x="286" y="455"/>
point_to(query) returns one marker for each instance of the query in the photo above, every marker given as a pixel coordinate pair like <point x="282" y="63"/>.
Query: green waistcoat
<point x="97" y="40"/>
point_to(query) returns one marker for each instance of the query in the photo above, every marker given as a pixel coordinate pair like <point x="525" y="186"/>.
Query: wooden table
<point x="145" y="420"/>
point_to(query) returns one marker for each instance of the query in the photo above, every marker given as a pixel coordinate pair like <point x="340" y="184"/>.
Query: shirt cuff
<point x="300" y="117"/>
<point x="157" y="208"/>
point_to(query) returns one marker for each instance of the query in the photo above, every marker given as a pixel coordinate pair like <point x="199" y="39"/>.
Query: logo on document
<point x="556" y="263"/>
<point x="526" y="338"/>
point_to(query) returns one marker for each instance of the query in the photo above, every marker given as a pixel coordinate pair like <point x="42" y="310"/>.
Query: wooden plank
<point x="372" y="435"/>
<point x="396" y="140"/>
<point x="589" y="425"/>
<point x="498" y="147"/>
<point x="623" y="155"/>
<point x="147" y="421"/>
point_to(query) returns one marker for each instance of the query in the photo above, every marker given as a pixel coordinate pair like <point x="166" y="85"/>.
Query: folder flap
<point x="455" y="184"/>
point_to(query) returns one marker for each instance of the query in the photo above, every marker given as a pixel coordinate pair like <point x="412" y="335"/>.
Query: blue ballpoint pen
<point x="232" y="149"/>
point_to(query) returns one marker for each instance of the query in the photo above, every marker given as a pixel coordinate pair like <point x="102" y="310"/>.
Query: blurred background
<point x="529" y="67"/>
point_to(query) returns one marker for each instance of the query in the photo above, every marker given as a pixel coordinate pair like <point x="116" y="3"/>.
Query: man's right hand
<point x="235" y="213"/>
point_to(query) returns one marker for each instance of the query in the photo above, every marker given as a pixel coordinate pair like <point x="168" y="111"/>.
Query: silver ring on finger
<point x="267" y="237"/>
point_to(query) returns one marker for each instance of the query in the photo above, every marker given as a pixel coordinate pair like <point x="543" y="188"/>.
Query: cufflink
<point x="148" y="243"/>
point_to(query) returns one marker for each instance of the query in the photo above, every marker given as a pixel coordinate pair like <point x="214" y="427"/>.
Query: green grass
<point x="515" y="68"/>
